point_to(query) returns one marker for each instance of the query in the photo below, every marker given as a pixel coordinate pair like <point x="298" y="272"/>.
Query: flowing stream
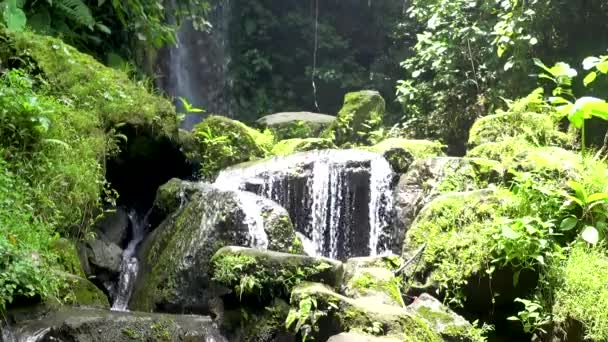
<point x="130" y="264"/>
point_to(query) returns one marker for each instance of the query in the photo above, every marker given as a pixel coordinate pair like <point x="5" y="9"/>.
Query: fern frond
<point x="74" y="10"/>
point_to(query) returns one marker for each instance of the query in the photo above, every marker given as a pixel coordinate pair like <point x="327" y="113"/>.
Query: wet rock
<point x="170" y="197"/>
<point x="361" y="114"/>
<point x="428" y="178"/>
<point x="114" y="227"/>
<point x="291" y="125"/>
<point x="175" y="258"/>
<point x="88" y="325"/>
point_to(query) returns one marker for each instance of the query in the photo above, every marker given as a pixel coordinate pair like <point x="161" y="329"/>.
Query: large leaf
<point x="14" y="17"/>
<point x="568" y="223"/>
<point x="586" y="108"/>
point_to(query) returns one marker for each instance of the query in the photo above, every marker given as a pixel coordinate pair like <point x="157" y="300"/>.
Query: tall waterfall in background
<point x="340" y="201"/>
<point x="197" y="67"/>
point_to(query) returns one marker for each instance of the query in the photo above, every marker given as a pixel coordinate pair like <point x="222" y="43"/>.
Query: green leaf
<point x="591" y="235"/>
<point x="600" y="196"/>
<point x="579" y="190"/>
<point x="510" y="233"/>
<point x="14" y="17"/>
<point x="568" y="223"/>
<point x="590" y="62"/>
<point x="590" y="78"/>
<point x="603" y="66"/>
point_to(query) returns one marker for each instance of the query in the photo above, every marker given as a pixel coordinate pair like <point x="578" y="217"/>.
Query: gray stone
<point x="114" y="226"/>
<point x="290" y="125"/>
<point x="373" y="278"/>
<point x="91" y="325"/>
<point x="104" y="255"/>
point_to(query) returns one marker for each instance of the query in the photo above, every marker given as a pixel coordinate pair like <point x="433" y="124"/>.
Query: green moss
<point x="359" y="315"/>
<point x="456" y="228"/>
<point x="295" y="130"/>
<point x="86" y="84"/>
<point x="223" y="142"/>
<point x="503" y="150"/>
<point x="537" y="129"/>
<point x="290" y="146"/>
<point x="367" y="281"/>
<point x="297" y="247"/>
<point x="419" y="149"/>
<point x="268" y="274"/>
<point x="583" y="293"/>
<point x="361" y="114"/>
<point x="469" y="174"/>
<point x="84" y="293"/>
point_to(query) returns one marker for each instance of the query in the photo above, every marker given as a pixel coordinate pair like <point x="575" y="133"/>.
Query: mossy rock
<point x="365" y="316"/>
<point x="171" y="196"/>
<point x="580" y="310"/>
<point x="175" y="258"/>
<point x="538" y="129"/>
<point x="90" y="86"/>
<point x="263" y="324"/>
<point x="94" y="325"/>
<point x="361" y="114"/>
<point x="456" y="228"/>
<point x="77" y="290"/>
<point x="267" y="274"/>
<point x="451" y="326"/>
<point x="429" y="178"/>
<point x="503" y="150"/>
<point x="292" y="125"/>
<point x="290" y="146"/>
<point x="223" y="142"/>
<point x="373" y="277"/>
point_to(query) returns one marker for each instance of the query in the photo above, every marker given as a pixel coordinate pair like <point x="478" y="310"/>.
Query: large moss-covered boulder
<point x="538" y="129"/>
<point x="221" y="142"/>
<point x="292" y="125"/>
<point x="362" y="113"/>
<point x="428" y="178"/>
<point x="455" y="229"/>
<point x="291" y="146"/>
<point x="87" y="85"/>
<point x="270" y="274"/>
<point x="580" y="310"/>
<point x="175" y="258"/>
<point x="72" y="324"/>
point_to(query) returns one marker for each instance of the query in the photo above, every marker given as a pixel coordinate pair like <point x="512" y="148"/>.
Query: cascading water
<point x="130" y="265"/>
<point x="380" y="201"/>
<point x="339" y="200"/>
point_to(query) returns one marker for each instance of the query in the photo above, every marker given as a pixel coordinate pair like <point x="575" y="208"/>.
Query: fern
<point x="74" y="10"/>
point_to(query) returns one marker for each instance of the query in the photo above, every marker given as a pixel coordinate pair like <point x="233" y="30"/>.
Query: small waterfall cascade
<point x="340" y="201"/>
<point x="253" y="216"/>
<point x="130" y="264"/>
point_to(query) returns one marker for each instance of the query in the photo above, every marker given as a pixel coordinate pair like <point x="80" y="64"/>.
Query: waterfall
<point x="381" y="198"/>
<point x="130" y="265"/>
<point x="339" y="200"/>
<point x="196" y="68"/>
<point x="252" y="210"/>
